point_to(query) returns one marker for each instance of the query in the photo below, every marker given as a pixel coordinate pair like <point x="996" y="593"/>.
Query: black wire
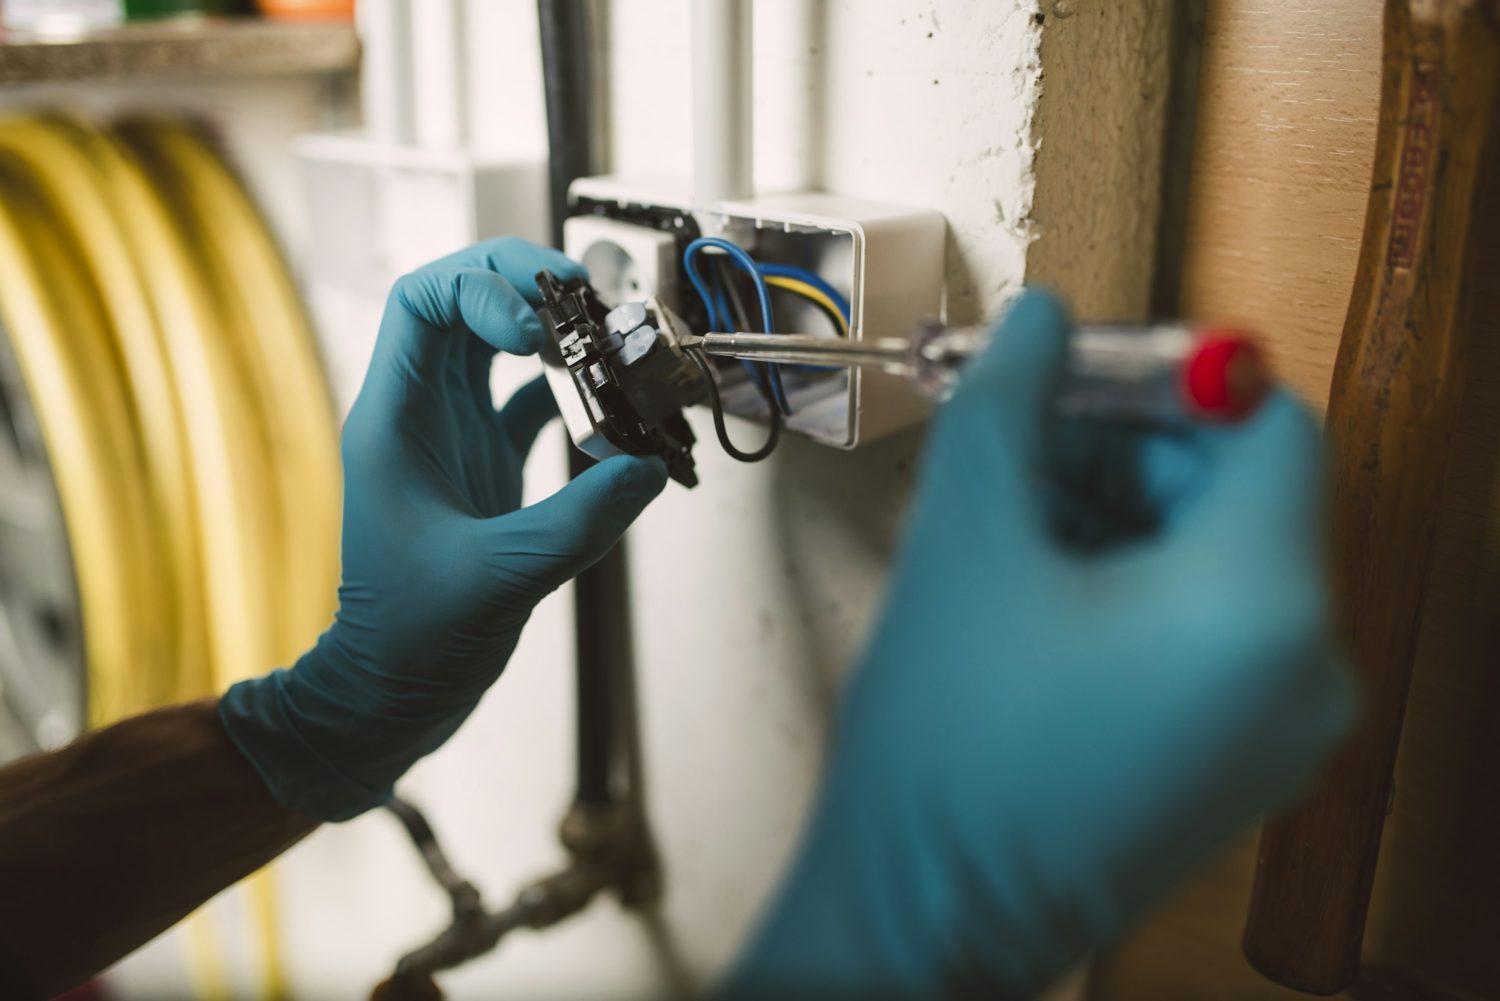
<point x="772" y="438"/>
<point x="724" y="272"/>
<point x="732" y="293"/>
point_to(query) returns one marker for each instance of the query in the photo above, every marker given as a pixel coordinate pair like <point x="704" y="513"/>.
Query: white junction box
<point x="887" y="260"/>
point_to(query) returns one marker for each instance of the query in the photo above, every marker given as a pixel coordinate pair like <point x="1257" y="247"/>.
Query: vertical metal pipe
<point x="566" y="54"/>
<point x="601" y="635"/>
<point x="723" y="117"/>
<point x="600" y="612"/>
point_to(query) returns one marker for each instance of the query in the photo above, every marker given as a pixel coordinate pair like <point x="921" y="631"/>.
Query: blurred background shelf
<point x="201" y="47"/>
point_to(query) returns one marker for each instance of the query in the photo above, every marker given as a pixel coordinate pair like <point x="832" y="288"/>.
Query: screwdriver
<point x="1150" y="373"/>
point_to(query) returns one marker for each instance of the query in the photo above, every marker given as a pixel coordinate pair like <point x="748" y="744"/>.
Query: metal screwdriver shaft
<point x="803" y="349"/>
<point x="932" y="358"/>
<point x="1155" y="374"/>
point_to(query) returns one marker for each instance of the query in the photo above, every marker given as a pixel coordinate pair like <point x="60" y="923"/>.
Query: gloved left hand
<point x="440" y="568"/>
<point x="1105" y="654"/>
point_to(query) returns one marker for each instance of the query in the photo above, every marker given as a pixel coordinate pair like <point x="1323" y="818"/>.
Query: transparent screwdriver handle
<point x="1162" y="373"/>
<point x="1155" y="374"/>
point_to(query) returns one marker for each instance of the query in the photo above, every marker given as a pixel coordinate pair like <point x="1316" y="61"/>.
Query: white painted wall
<point x="751" y="593"/>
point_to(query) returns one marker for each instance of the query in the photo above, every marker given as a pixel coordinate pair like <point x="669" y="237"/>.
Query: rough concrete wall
<point x="1098" y="167"/>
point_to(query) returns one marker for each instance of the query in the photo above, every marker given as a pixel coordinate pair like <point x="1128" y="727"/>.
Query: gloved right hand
<point x="1045" y="737"/>
<point x="441" y="564"/>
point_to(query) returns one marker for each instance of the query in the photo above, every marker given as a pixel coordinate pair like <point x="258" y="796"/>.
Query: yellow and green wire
<point x="814" y="295"/>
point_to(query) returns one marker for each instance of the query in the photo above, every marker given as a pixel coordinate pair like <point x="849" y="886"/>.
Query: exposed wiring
<point x="736" y="254"/>
<point x="725" y="312"/>
<point x="812" y="278"/>
<point x="741" y="321"/>
<point x="732" y="313"/>
<point x="773" y="437"/>
<point x="717" y="321"/>
<point x="814" y="295"/>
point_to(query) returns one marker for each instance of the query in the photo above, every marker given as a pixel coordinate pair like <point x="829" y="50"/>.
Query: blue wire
<point x="813" y="279"/>
<point x="746" y="264"/>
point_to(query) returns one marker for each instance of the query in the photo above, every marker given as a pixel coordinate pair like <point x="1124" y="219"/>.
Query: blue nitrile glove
<point x="441" y="569"/>
<point x="1044" y="737"/>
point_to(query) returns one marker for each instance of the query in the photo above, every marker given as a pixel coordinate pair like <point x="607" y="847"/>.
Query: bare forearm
<point x="111" y="840"/>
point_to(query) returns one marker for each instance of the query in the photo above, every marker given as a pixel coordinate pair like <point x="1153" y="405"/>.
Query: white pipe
<point x="385" y="83"/>
<point x="440" y="74"/>
<point x="723" y="126"/>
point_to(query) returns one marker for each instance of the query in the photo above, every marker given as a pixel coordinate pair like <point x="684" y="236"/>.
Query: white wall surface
<point x="750" y="593"/>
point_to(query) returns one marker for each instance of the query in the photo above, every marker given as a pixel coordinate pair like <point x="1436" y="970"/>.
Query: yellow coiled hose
<point x="185" y="414"/>
<point x="277" y="356"/>
<point x="65" y="180"/>
<point x="62" y="346"/>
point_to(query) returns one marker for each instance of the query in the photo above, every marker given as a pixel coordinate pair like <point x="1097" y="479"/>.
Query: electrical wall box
<point x="887" y="259"/>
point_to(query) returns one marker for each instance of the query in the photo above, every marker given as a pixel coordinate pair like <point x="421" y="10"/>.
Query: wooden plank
<point x="1283" y="156"/>
<point x="190" y="47"/>
<point x="1281" y="166"/>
